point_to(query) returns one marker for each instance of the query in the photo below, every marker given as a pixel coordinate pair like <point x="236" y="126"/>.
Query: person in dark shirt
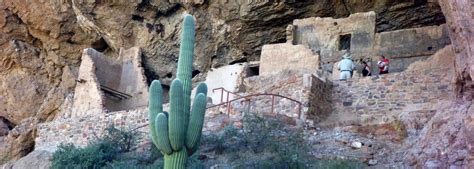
<point x="366" y="69"/>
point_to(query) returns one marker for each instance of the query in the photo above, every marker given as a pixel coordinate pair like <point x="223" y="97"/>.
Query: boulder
<point x="36" y="159"/>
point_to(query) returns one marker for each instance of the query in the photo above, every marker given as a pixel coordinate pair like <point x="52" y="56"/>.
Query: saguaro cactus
<point x="177" y="133"/>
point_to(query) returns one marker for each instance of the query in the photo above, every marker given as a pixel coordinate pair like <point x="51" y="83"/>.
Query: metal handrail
<point x="247" y="97"/>
<point x="222" y="93"/>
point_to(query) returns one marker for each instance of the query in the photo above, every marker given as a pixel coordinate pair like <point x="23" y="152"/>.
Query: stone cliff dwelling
<point x="312" y="44"/>
<point x="107" y="84"/>
<point x="320" y="42"/>
<point x="300" y="69"/>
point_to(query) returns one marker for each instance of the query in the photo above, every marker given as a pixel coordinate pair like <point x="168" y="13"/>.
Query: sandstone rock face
<point x="36" y="159"/>
<point x="446" y="140"/>
<point x="20" y="140"/>
<point x="460" y="19"/>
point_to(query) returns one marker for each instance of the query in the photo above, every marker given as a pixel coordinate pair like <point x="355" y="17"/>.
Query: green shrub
<point x="267" y="142"/>
<point x="92" y="156"/>
<point x="124" y="139"/>
<point x="98" y="153"/>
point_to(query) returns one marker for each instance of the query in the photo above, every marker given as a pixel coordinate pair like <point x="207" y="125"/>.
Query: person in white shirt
<point x="345" y="67"/>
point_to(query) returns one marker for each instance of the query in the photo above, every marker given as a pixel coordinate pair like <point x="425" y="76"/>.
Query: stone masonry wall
<point x="83" y="129"/>
<point x="403" y="47"/>
<point x="374" y="97"/>
<point x="292" y="84"/>
<point x="320" y="105"/>
<point x="322" y="34"/>
<point x="92" y="101"/>
<point x="285" y="56"/>
<point x="406" y="46"/>
<point x="123" y="75"/>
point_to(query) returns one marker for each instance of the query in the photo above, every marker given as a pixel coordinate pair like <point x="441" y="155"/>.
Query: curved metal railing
<point x="247" y="98"/>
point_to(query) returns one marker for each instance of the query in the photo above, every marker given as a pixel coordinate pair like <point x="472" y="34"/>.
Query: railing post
<point x="222" y="95"/>
<point x="273" y="103"/>
<point x="228" y="104"/>
<point x="299" y="111"/>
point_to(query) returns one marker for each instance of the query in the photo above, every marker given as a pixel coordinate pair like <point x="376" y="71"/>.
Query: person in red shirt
<point x="383" y="65"/>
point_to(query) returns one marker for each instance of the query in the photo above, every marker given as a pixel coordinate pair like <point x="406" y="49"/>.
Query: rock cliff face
<point x="447" y="141"/>
<point x="41" y="41"/>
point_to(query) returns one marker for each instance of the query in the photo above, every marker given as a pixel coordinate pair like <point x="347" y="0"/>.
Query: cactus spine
<point x="177" y="133"/>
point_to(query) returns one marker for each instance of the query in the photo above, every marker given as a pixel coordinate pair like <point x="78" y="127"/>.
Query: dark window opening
<point x="253" y="70"/>
<point x="195" y="73"/>
<point x="345" y="42"/>
<point x="100" y="45"/>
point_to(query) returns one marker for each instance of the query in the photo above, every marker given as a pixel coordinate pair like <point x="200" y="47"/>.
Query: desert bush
<point x="98" y="153"/>
<point x="268" y="143"/>
<point x="124" y="139"/>
<point x="92" y="156"/>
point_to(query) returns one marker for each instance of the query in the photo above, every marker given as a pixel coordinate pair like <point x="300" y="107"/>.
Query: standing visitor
<point x="345" y="67"/>
<point x="383" y="65"/>
<point x="366" y="69"/>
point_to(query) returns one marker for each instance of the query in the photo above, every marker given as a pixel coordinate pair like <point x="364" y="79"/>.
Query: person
<point x="345" y="67"/>
<point x="366" y="69"/>
<point x="383" y="65"/>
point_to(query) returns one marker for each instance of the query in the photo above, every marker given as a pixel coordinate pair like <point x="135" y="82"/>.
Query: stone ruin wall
<point x="321" y="35"/>
<point x="377" y="99"/>
<point x="406" y="46"/>
<point x="320" y="103"/>
<point x="92" y="101"/>
<point x="80" y="130"/>
<point x="402" y="47"/>
<point x="275" y="58"/>
<point x="123" y="75"/>
<point x="86" y="114"/>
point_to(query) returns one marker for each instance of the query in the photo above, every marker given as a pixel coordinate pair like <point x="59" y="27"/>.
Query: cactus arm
<point x="162" y="139"/>
<point x="176" y="116"/>
<point x="185" y="61"/>
<point x="196" y="121"/>
<point x="155" y="106"/>
<point x="202" y="88"/>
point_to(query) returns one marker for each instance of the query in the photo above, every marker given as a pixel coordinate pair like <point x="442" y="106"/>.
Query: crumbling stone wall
<point x="101" y="78"/>
<point x="88" y="99"/>
<point x="320" y="103"/>
<point x="323" y="35"/>
<point x="276" y="58"/>
<point x="378" y="97"/>
<point x="402" y="47"/>
<point x="228" y="77"/>
<point x="87" y="127"/>
<point x="131" y="81"/>
<point x="406" y="46"/>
